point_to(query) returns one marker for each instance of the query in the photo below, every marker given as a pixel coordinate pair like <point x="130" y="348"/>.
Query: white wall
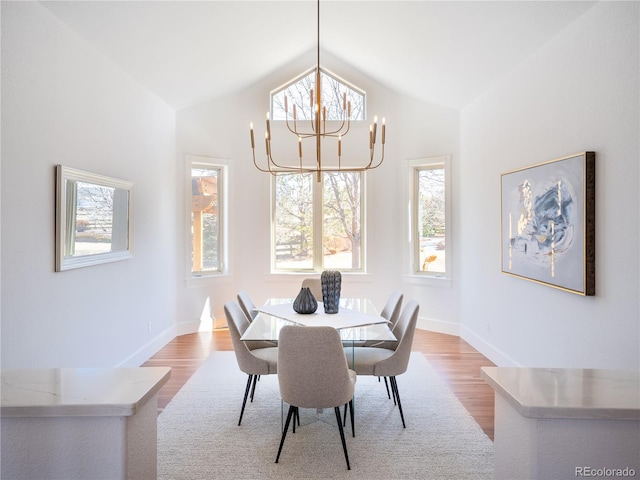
<point x="221" y="129"/>
<point x="579" y="92"/>
<point x="63" y="102"/>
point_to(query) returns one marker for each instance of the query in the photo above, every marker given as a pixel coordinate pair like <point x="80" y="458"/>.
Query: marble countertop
<point x="568" y="393"/>
<point x="61" y="392"/>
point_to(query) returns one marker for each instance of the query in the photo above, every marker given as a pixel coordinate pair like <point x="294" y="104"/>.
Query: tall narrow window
<point x="206" y="218"/>
<point x="431" y="217"/>
<point x="318" y="225"/>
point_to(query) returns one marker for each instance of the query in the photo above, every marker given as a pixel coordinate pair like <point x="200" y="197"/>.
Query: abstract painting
<point x="548" y="223"/>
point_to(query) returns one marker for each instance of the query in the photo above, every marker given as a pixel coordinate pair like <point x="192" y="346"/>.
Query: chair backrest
<point x="312" y="368"/>
<point x="392" y="308"/>
<point x="315" y="285"/>
<point x="397" y="363"/>
<point x="237" y="323"/>
<point x="247" y="305"/>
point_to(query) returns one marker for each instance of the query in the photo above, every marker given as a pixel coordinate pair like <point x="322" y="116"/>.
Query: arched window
<point x="333" y="90"/>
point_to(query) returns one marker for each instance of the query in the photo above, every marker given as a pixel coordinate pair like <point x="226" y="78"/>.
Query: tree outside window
<point x="333" y="90"/>
<point x="430" y="217"/>
<point x="318" y="225"/>
<point x="206" y="239"/>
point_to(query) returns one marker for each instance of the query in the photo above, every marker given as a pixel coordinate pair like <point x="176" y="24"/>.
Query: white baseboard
<point x="150" y="348"/>
<point x="206" y="325"/>
<point x="492" y="353"/>
<point x="439" y="326"/>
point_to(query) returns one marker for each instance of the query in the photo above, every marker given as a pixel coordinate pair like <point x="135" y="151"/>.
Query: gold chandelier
<point x="317" y="129"/>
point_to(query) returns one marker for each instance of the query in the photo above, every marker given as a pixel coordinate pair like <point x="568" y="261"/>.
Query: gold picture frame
<point x="548" y="223"/>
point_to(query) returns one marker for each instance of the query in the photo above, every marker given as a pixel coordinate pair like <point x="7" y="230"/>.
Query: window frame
<point x="339" y="79"/>
<point x="414" y="166"/>
<point x="318" y="229"/>
<point x="221" y="166"/>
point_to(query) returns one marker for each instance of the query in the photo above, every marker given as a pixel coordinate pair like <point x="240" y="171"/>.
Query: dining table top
<point x="357" y="320"/>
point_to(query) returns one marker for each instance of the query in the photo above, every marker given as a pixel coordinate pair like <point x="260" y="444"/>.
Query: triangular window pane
<point x="333" y="89"/>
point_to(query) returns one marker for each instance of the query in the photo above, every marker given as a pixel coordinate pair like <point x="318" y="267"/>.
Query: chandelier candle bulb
<point x="339" y="145"/>
<point x="253" y="143"/>
<point x="383" y="129"/>
<point x="300" y="147"/>
<point x="268" y="126"/>
<point x="375" y="128"/>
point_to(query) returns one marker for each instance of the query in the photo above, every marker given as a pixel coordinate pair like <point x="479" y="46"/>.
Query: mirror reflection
<point x="94" y="219"/>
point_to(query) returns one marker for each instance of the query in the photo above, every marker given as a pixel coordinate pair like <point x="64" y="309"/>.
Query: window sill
<point x="287" y="276"/>
<point x="194" y="281"/>
<point x="432" y="281"/>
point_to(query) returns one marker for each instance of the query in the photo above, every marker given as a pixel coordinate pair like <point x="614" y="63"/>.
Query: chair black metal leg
<point x="344" y="419"/>
<point x="253" y="388"/>
<point x="292" y="409"/>
<point x="344" y="443"/>
<point x="386" y="384"/>
<point x="353" y="422"/>
<point x="396" y="393"/>
<point x="246" y="394"/>
<point x="296" y="415"/>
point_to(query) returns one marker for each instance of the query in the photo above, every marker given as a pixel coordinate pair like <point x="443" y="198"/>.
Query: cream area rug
<point x="199" y="436"/>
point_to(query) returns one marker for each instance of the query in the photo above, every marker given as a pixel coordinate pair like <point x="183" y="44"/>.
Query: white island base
<point x="80" y="423"/>
<point x="560" y="424"/>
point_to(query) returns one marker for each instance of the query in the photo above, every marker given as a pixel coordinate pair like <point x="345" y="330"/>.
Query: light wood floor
<point x="455" y="360"/>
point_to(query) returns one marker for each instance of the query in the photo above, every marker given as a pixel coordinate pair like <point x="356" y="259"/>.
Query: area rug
<point x="199" y="436"/>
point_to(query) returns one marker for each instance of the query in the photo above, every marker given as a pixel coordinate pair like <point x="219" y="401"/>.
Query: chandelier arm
<point x="339" y="131"/>
<point x="293" y="130"/>
<point x="284" y="168"/>
<point x="370" y="166"/>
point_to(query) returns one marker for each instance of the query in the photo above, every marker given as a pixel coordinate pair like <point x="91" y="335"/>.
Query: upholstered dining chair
<point x="256" y="362"/>
<point x="391" y="312"/>
<point x="313" y="373"/>
<point x="391" y="309"/>
<point x="315" y="285"/>
<point x="249" y="310"/>
<point x="247" y="305"/>
<point x="385" y="362"/>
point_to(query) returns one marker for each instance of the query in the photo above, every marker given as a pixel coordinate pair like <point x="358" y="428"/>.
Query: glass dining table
<point x="357" y="321"/>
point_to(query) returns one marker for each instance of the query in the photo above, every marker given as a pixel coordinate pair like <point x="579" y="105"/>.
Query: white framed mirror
<point x="94" y="219"/>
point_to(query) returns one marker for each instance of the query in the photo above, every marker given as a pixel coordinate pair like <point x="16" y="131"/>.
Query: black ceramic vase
<point x="305" y="302"/>
<point x="331" y="281"/>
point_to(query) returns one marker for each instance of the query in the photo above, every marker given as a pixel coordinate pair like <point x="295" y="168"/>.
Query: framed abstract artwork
<point x="548" y="223"/>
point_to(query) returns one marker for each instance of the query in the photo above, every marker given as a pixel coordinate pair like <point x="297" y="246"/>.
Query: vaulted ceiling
<point x="446" y="52"/>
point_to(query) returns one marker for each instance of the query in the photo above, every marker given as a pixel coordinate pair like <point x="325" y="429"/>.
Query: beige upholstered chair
<point x="315" y="285"/>
<point x="250" y="312"/>
<point x="391" y="312"/>
<point x="313" y="373"/>
<point x="392" y="308"/>
<point x="247" y="305"/>
<point x="385" y="362"/>
<point x="260" y="361"/>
